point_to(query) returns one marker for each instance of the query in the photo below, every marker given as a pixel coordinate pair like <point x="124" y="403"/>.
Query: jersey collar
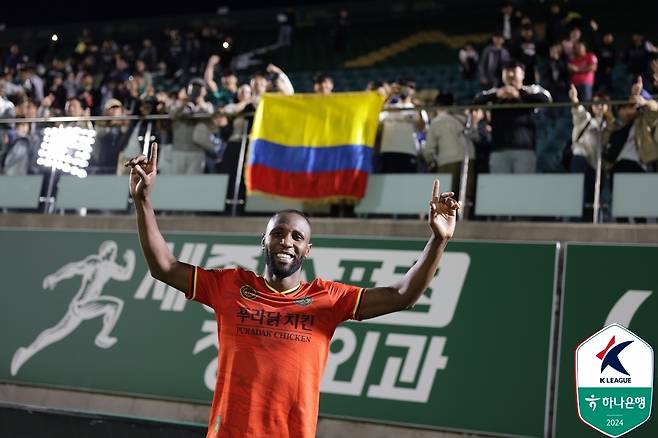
<point x="283" y="292"/>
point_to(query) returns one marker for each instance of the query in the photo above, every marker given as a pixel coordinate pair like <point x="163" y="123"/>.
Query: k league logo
<point x="614" y="380"/>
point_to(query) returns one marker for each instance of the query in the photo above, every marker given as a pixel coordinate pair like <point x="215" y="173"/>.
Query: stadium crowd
<point x="573" y="61"/>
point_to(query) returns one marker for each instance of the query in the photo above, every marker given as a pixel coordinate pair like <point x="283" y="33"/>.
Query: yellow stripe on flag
<point x="317" y="120"/>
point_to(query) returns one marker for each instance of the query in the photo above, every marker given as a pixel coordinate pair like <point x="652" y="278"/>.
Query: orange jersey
<point x="273" y="348"/>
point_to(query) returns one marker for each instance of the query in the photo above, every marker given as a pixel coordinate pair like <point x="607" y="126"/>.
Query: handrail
<point x="64" y="119"/>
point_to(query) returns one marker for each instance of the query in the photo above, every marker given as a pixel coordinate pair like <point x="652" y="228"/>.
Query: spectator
<point x="12" y="90"/>
<point x="286" y="22"/>
<point x="144" y="77"/>
<point x="513" y="130"/>
<point x="606" y="53"/>
<point x="111" y="139"/>
<point x="31" y="82"/>
<point x="575" y="35"/>
<point x="82" y="44"/>
<point x="491" y="62"/>
<point x="7" y="107"/>
<point x="128" y="93"/>
<point x="637" y="55"/>
<point x="192" y="53"/>
<point x="175" y="55"/>
<point x="591" y="131"/>
<point x="108" y="50"/>
<point x="654" y="75"/>
<point x="59" y="93"/>
<point x="15" y="58"/>
<point x="567" y="48"/>
<point x="468" y="61"/>
<point x="272" y="79"/>
<point x="554" y="24"/>
<point x="582" y="67"/>
<point x="381" y="87"/>
<point x="634" y="145"/>
<point x="148" y="54"/>
<point x="75" y="108"/>
<point x="524" y="48"/>
<point x="121" y="71"/>
<point x="56" y="70"/>
<point x="556" y="79"/>
<point x="323" y="84"/>
<point x="220" y="96"/>
<point x="188" y="158"/>
<point x="240" y="126"/>
<point x="398" y="145"/>
<point x="21" y="155"/>
<point x="70" y="84"/>
<point x="90" y="96"/>
<point x="508" y="21"/>
<point x="245" y="102"/>
<point x="138" y="132"/>
<point x="450" y="138"/>
<point x="212" y="136"/>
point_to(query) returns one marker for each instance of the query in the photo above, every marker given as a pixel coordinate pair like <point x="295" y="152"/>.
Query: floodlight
<point x="67" y="149"/>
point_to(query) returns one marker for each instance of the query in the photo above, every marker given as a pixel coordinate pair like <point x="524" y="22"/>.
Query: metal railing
<point x="234" y="199"/>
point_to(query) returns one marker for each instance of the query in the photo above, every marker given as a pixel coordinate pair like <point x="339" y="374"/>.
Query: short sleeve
<point x="207" y="284"/>
<point x="346" y="299"/>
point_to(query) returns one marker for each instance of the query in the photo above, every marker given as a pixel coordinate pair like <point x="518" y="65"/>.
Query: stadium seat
<point x="20" y="191"/>
<point x="635" y="195"/>
<point x="399" y="193"/>
<point x="191" y="193"/>
<point x="99" y="192"/>
<point x="270" y="204"/>
<point x="549" y="195"/>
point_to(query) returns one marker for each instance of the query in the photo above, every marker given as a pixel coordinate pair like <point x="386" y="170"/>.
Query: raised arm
<point x="382" y="300"/>
<point x="209" y="73"/>
<point x="161" y="262"/>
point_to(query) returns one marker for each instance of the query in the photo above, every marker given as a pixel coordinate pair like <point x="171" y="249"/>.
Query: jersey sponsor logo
<point x="305" y="301"/>
<point x="247" y="292"/>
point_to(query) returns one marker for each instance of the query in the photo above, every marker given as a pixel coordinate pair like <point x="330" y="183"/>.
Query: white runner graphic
<point x="88" y="303"/>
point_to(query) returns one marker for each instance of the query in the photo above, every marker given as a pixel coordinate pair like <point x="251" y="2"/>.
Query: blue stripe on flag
<point x="310" y="159"/>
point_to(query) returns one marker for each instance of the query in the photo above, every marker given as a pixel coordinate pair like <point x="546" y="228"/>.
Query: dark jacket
<point x="513" y="128"/>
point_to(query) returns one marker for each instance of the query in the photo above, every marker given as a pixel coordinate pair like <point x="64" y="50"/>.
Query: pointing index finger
<point x="154" y="154"/>
<point x="436" y="189"/>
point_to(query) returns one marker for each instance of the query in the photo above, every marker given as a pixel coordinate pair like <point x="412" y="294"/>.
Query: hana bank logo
<point x="614" y="380"/>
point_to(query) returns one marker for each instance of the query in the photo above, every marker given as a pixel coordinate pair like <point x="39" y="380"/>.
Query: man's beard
<point x="279" y="271"/>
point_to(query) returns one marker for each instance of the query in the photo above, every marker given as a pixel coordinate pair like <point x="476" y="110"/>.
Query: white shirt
<point x="399" y="129"/>
<point x="629" y="151"/>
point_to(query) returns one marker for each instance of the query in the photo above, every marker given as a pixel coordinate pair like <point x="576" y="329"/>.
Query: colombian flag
<point x="312" y="146"/>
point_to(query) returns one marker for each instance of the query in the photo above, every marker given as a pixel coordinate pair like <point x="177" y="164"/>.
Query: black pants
<point x="397" y="162"/>
<point x="579" y="164"/>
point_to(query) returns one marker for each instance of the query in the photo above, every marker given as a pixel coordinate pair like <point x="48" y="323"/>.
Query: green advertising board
<point x="605" y="284"/>
<point x="81" y="311"/>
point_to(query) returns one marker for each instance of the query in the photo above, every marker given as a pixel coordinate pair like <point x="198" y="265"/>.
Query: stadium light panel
<point x="67" y="149"/>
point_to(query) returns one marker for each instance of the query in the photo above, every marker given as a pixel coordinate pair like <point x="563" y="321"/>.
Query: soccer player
<point x="274" y="331"/>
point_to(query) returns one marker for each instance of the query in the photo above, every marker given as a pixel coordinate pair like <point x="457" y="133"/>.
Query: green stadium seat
<point x="191" y="193"/>
<point x="98" y="192"/>
<point x="399" y="193"/>
<point x="635" y="195"/>
<point x="270" y="204"/>
<point x="20" y="191"/>
<point x="548" y="195"/>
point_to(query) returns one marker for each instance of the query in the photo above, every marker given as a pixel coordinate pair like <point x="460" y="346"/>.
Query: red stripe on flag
<point x="306" y="185"/>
